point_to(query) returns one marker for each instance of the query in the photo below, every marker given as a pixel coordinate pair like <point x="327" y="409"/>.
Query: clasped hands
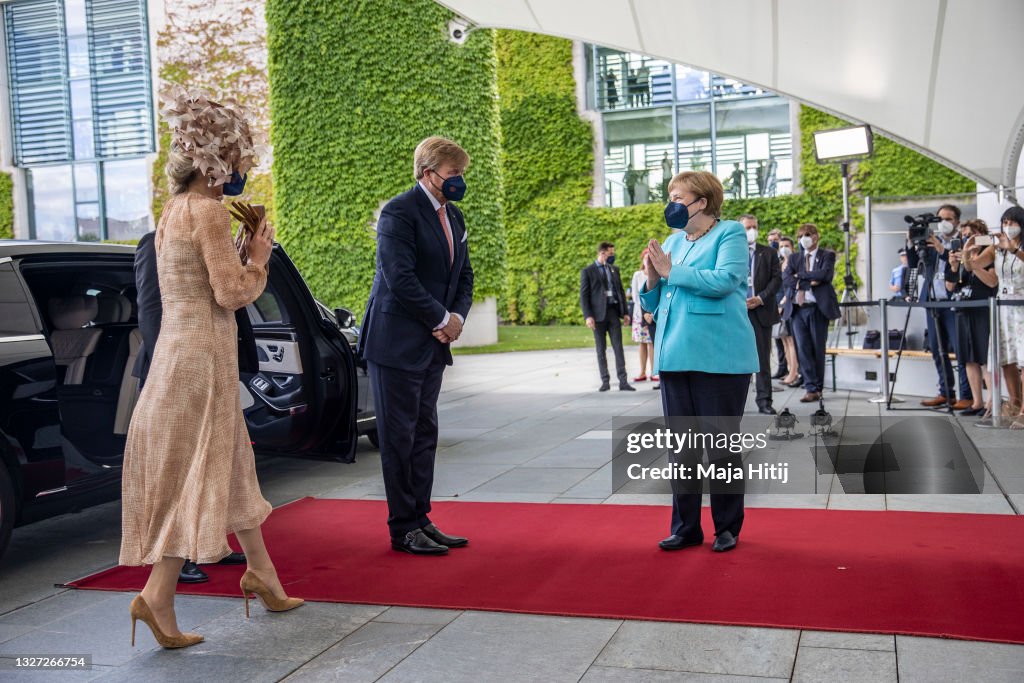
<point x="657" y="263"/>
<point x="450" y="332"/>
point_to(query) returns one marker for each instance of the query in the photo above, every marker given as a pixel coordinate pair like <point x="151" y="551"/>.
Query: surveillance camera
<point x="458" y="31"/>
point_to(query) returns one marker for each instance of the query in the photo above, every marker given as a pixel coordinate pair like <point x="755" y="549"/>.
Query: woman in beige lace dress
<point x="189" y="474"/>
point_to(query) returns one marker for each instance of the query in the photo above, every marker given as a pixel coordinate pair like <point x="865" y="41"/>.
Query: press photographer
<point x="928" y="244"/>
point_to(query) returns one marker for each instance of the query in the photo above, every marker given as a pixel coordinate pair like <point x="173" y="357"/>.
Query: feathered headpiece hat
<point x="216" y="136"/>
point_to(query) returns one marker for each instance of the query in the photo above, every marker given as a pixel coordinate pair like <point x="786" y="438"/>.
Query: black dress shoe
<point x="191" y="573"/>
<point x="767" y="410"/>
<point x="626" y="387"/>
<point x="971" y="412"/>
<point x="674" y="542"/>
<point x="234" y="558"/>
<point x="441" y="538"/>
<point x="724" y="541"/>
<point x="605" y="387"/>
<point x="416" y="542"/>
<point x="783" y="371"/>
<point x="798" y="382"/>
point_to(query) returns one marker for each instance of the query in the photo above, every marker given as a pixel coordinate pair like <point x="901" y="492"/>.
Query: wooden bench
<point x="832" y="353"/>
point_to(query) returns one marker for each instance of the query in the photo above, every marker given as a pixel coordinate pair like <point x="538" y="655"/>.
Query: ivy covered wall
<point x="548" y="164"/>
<point x="6" y="207"/>
<point x="350" y="100"/>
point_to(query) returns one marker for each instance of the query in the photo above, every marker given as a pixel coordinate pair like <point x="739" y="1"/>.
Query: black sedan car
<point x="68" y="342"/>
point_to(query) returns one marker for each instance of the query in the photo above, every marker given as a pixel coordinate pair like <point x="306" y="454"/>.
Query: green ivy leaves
<point x="6" y="206"/>
<point x="354" y="88"/>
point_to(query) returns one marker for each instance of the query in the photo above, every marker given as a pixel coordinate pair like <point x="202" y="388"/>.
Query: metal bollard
<point x="994" y="365"/>
<point x="883" y="377"/>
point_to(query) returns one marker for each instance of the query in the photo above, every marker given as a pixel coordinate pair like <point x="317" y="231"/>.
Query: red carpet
<point x="913" y="573"/>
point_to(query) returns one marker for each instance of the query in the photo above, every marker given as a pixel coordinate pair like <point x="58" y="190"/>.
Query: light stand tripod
<point x="849" y="283"/>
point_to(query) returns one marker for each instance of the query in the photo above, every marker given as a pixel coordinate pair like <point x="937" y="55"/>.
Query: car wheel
<point x="8" y="510"/>
<point x="374" y="438"/>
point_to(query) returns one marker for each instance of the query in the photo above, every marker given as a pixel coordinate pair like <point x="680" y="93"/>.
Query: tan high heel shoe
<point x="140" y="611"/>
<point x="251" y="583"/>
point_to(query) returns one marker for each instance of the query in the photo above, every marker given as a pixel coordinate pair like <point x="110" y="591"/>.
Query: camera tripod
<point x="929" y="280"/>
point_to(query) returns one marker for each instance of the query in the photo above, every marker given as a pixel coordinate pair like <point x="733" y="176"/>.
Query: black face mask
<point x="610" y="260"/>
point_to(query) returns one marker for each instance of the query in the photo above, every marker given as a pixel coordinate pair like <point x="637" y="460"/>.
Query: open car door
<point x="303" y="399"/>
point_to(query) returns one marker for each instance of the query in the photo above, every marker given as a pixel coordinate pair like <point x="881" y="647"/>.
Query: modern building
<point x="658" y="118"/>
<point x="76" y="117"/>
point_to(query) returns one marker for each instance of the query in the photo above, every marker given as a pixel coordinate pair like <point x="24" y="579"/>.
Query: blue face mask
<point x="453" y="188"/>
<point x="236" y="186"/>
<point x="678" y="215"/>
<point x="610" y="260"/>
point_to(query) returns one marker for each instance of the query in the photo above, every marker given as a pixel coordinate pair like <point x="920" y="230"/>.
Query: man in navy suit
<point x="810" y="305"/>
<point x="421" y="295"/>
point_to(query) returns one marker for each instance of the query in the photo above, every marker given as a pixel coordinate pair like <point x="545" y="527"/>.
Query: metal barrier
<point x="994" y="364"/>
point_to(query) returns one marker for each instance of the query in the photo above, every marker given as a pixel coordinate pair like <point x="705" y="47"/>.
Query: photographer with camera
<point x="972" y="324"/>
<point x="1006" y="254"/>
<point x="928" y="252"/>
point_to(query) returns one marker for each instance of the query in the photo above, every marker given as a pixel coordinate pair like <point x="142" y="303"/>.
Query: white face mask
<point x="946" y="228"/>
<point x="807" y="242"/>
<point x="1012" y="231"/>
<point x="785" y="251"/>
<point x="751" y="235"/>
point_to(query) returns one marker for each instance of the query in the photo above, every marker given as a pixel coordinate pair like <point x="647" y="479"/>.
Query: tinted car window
<point x="16" y="316"/>
<point x="268" y="308"/>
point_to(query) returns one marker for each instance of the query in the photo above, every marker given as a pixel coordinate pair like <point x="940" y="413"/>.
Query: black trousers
<point x="763" y="378"/>
<point x="810" y="329"/>
<point x="406" y="408"/>
<point x="612" y="328"/>
<point x="706" y="394"/>
<point x="780" y="351"/>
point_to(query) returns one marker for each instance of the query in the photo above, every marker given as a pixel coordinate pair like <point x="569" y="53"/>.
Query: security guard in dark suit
<point x="603" y="301"/>
<point x="764" y="279"/>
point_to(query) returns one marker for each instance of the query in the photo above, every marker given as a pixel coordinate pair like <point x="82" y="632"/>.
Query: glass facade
<point x="82" y="109"/>
<point x="661" y="118"/>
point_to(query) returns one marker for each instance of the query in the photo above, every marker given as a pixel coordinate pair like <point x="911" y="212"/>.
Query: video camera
<point x="919" y="230"/>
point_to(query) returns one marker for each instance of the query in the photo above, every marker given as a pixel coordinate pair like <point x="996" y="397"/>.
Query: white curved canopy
<point x="945" y="77"/>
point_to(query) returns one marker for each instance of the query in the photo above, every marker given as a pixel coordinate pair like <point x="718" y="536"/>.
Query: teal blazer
<point x="701" y="308"/>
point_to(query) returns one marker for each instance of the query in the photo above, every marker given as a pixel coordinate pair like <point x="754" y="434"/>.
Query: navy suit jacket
<point x="415" y="283"/>
<point x="798" y="277"/>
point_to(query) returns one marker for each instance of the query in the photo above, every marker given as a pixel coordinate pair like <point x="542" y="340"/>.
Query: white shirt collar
<point x="430" y="195"/>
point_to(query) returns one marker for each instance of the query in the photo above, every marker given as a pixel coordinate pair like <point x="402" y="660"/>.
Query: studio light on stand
<point x="843" y="146"/>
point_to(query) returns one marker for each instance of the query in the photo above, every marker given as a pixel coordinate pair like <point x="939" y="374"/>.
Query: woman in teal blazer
<point x="704" y="349"/>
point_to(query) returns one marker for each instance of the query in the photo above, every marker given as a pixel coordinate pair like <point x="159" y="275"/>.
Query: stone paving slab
<point x="366" y="654"/>
<point x="926" y="660"/>
<point x="702" y="648"/>
<point x="816" y="664"/>
<point x="481" y="646"/>
<point x="608" y="674"/>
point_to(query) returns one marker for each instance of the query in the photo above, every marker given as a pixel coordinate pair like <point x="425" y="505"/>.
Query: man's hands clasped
<point x="451" y="331"/>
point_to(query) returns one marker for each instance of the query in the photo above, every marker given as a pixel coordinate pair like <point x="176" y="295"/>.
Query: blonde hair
<point x="704" y="185"/>
<point x="179" y="170"/>
<point x="435" y="151"/>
